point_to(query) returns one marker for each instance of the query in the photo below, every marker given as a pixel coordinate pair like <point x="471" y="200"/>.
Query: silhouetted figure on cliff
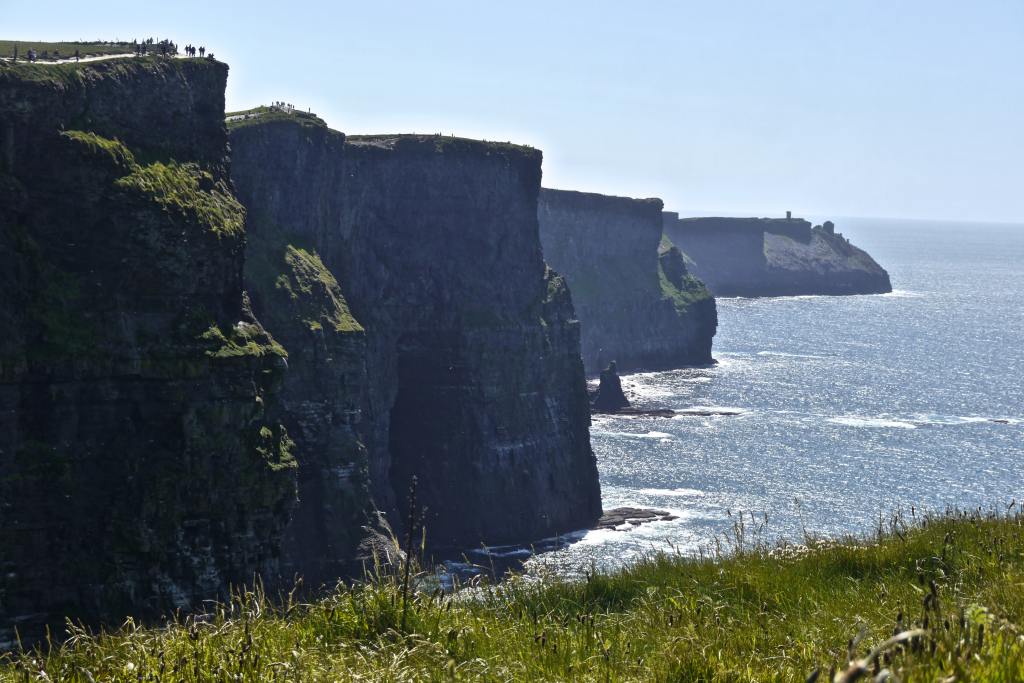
<point x="202" y="51"/>
<point x="609" y="397"/>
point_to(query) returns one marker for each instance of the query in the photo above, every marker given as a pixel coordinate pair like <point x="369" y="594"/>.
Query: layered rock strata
<point x="474" y="384"/>
<point x="637" y="303"/>
<point x="142" y="465"/>
<point x="774" y="257"/>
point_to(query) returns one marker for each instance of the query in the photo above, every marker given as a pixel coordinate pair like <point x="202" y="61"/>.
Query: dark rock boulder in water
<point x="774" y="257"/>
<point x="474" y="381"/>
<point x="636" y="300"/>
<point x="610" y="397"/>
<point x="141" y="464"/>
<point x="626" y="518"/>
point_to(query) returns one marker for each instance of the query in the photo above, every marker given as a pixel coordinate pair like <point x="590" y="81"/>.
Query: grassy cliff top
<point x="68" y="72"/>
<point x="744" y="221"/>
<point x="598" y="200"/>
<point x="389" y="142"/>
<point x="65" y="48"/>
<point x="445" y="144"/>
<point x="265" y="114"/>
<point x="948" y="587"/>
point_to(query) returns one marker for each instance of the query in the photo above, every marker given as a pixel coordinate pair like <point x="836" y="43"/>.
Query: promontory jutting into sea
<point x="241" y="346"/>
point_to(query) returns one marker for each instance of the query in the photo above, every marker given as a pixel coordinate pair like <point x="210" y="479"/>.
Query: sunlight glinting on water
<point x="839" y="409"/>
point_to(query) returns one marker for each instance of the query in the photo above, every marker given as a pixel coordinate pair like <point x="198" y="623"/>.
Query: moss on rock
<point x="191" y="192"/>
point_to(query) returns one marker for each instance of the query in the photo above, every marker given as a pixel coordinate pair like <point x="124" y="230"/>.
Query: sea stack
<point x="610" y="397"/>
<point x="637" y="302"/>
<point x="774" y="257"/>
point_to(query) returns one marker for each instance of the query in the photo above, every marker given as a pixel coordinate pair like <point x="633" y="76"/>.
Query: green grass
<point x="444" y="144"/>
<point x="244" y="339"/>
<point x="258" y="115"/>
<point x="952" y="585"/>
<point x="693" y="291"/>
<point x="112" y="150"/>
<point x="190" y="191"/>
<point x="67" y="49"/>
<point x="689" y="290"/>
<point x="308" y="277"/>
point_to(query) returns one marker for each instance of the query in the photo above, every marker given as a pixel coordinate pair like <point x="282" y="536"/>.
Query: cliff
<point x="637" y="303"/>
<point x="142" y="467"/>
<point x="774" y="257"/>
<point x="473" y="379"/>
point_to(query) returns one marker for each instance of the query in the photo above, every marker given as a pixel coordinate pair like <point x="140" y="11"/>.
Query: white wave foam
<point x="781" y="354"/>
<point x="933" y="419"/>
<point x="902" y="294"/>
<point x="634" y="435"/>
<point x="678" y="492"/>
<point x="643" y="390"/>
<point x="875" y="422"/>
<point x="717" y="410"/>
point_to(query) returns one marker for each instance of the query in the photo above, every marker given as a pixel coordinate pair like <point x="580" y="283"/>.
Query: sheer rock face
<point x="141" y="464"/>
<point x="474" y="381"/>
<point x="637" y="303"/>
<point x="774" y="257"/>
<point x="300" y="302"/>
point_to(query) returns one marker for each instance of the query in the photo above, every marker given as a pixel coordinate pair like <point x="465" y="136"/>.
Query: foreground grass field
<point x="950" y="588"/>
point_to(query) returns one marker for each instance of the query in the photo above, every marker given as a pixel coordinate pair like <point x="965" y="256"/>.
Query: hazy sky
<point x="898" y="108"/>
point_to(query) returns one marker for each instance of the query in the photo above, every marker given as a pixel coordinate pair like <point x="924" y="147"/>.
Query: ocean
<point x="841" y="410"/>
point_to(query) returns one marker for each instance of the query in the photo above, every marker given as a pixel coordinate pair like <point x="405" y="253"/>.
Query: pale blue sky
<point x="899" y="108"/>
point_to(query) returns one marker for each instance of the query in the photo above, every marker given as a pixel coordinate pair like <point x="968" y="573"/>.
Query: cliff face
<point x="637" y="303"/>
<point x="774" y="257"/>
<point x="300" y="302"/>
<point x="141" y="467"/>
<point x="474" y="383"/>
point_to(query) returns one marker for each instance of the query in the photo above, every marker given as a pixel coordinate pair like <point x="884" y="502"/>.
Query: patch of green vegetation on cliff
<point x="949" y="586"/>
<point x="276" y="448"/>
<point x="693" y="290"/>
<point x="244" y="339"/>
<point x="185" y="189"/>
<point x="189" y="191"/>
<point x="291" y="282"/>
<point x="678" y="285"/>
<point x="309" y="276"/>
<point x="557" y="289"/>
<point x="113" y="150"/>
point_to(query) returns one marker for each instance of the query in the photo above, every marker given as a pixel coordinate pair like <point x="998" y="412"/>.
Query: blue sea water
<point x="846" y="408"/>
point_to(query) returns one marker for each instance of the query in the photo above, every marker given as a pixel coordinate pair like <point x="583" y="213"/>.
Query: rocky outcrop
<point x="774" y="257"/>
<point x="474" y="382"/>
<point x="637" y="302"/>
<point x="610" y="398"/>
<point x="142" y="467"/>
